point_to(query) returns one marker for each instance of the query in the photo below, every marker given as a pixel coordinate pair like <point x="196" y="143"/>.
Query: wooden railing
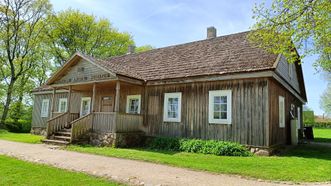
<point x="128" y="122"/>
<point x="57" y="123"/>
<point x="80" y="126"/>
<point x="104" y="121"/>
<point x="74" y="116"/>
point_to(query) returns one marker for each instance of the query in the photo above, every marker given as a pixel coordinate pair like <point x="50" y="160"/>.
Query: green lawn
<point x="20" y="137"/>
<point x="302" y="164"/>
<point x="17" y="172"/>
<point x="322" y="135"/>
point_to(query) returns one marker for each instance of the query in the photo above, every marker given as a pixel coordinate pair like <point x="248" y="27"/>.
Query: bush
<point x="219" y="148"/>
<point x="22" y="126"/>
<point x="308" y="117"/>
<point x="319" y="124"/>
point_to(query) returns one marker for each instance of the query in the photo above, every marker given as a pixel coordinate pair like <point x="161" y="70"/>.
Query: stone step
<point x="63" y="133"/>
<point x="66" y="138"/>
<point x="55" y="142"/>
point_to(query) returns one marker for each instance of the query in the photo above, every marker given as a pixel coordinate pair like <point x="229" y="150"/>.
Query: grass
<point x="17" y="172"/>
<point x="302" y="164"/>
<point x="20" y="137"/>
<point x="322" y="135"/>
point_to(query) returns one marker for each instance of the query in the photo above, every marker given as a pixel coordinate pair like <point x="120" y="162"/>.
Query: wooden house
<point x="221" y="88"/>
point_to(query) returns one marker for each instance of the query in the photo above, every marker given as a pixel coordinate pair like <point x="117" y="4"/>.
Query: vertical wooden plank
<point x="69" y="104"/>
<point x="53" y="103"/>
<point x="117" y="96"/>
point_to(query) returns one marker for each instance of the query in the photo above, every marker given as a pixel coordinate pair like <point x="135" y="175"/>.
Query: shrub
<point x="319" y="124"/>
<point x="308" y="117"/>
<point x="22" y="126"/>
<point x="220" y="148"/>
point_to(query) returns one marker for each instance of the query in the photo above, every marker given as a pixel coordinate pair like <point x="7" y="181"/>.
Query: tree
<point x="144" y="48"/>
<point x="20" y="27"/>
<point x="305" y="24"/>
<point x="70" y="31"/>
<point x="325" y="101"/>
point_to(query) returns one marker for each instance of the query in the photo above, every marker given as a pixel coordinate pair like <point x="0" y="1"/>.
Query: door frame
<point x="81" y="105"/>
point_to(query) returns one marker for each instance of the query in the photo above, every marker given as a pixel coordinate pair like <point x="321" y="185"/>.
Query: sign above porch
<point x="82" y="71"/>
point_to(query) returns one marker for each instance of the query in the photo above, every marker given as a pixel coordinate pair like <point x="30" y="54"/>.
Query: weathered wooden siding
<point x="38" y="121"/>
<point x="280" y="135"/>
<point x="283" y="70"/>
<point x="249" y="112"/>
<point x="91" y="72"/>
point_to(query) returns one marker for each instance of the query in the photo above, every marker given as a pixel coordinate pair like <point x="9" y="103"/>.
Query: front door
<point x="85" y="106"/>
<point x="107" y="104"/>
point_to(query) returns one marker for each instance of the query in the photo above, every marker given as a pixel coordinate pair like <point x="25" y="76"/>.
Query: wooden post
<point x="117" y="96"/>
<point x="93" y="98"/>
<point x="53" y="102"/>
<point x="69" y="104"/>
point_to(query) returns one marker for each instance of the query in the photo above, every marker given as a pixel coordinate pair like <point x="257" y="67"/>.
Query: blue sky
<point x="167" y="22"/>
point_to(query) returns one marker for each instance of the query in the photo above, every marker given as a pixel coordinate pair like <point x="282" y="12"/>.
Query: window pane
<point x="217" y="107"/>
<point x="223" y="115"/>
<point x="217" y="115"/>
<point x="133" y="106"/>
<point x="173" y="107"/>
<point x="217" y="99"/>
<point x="223" y="99"/>
<point x="224" y="107"/>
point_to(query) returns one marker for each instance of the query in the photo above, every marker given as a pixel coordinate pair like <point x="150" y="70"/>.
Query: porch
<point x="94" y="107"/>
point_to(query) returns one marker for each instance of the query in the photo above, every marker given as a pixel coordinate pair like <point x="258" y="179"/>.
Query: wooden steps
<point x="62" y="137"/>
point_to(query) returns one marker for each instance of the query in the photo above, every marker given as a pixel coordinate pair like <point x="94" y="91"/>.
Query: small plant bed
<point x="219" y="148"/>
<point x="20" y="137"/>
<point x="302" y="164"/>
<point x="322" y="135"/>
<point x="18" y="172"/>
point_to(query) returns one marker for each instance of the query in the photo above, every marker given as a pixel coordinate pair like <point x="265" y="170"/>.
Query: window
<point x="133" y="104"/>
<point x="172" y="107"/>
<point x="220" y="106"/>
<point x="290" y="70"/>
<point x="44" y="108"/>
<point x="281" y="112"/>
<point x="62" y="105"/>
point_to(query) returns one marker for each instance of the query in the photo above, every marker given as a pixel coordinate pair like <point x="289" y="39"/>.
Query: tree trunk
<point x="7" y="104"/>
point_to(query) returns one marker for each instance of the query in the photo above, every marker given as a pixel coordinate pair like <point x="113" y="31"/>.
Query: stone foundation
<point x="38" y="131"/>
<point x="132" y="139"/>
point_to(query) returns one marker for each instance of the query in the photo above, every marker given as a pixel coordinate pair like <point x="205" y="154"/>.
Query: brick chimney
<point x="211" y="32"/>
<point x="131" y="49"/>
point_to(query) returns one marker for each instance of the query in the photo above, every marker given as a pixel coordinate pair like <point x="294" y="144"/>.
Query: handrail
<point x="57" y="116"/>
<point x="80" y="126"/>
<point x="57" y="123"/>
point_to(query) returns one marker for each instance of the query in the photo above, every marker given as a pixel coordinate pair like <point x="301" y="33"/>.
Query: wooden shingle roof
<point x="221" y="55"/>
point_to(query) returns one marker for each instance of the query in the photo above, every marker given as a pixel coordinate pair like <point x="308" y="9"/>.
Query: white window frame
<point x="44" y="109"/>
<point x="81" y="105"/>
<point x="59" y="106"/>
<point x="281" y="111"/>
<point x="212" y="94"/>
<point x="128" y="98"/>
<point x="165" y="106"/>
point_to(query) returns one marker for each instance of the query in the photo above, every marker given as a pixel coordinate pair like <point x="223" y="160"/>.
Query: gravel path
<point x="128" y="171"/>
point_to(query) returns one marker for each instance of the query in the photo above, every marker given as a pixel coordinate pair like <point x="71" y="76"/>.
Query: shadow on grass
<point x="323" y="140"/>
<point x="309" y="151"/>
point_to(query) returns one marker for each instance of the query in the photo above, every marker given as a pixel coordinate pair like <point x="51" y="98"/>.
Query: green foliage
<point x="325" y="101"/>
<point x="144" y="48"/>
<point x="71" y="31"/>
<point x="319" y="124"/>
<point x="304" y="24"/>
<point x="308" y="117"/>
<point x="21" y="126"/>
<point x="219" y="148"/>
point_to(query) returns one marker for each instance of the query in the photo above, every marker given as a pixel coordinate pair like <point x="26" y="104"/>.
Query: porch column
<point x="69" y="103"/>
<point x="53" y="103"/>
<point x="93" y="98"/>
<point x="117" y="96"/>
